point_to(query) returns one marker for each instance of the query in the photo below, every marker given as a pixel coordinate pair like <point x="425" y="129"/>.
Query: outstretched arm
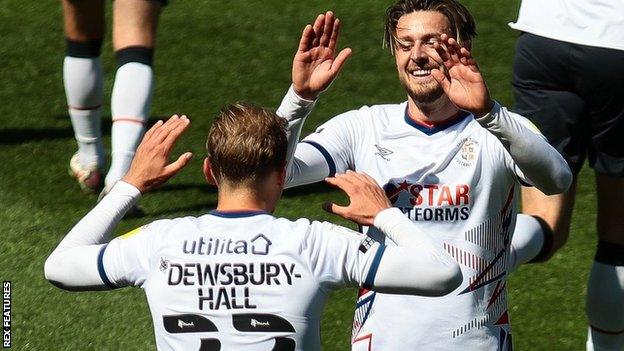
<point x="431" y="272"/>
<point x="76" y="262"/>
<point x="315" y="66"/>
<point x="463" y="83"/>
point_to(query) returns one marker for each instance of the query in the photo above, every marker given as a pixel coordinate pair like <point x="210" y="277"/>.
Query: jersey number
<point x="244" y="322"/>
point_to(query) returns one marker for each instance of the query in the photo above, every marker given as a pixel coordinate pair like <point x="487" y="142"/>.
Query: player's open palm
<point x="462" y="81"/>
<point x="366" y="198"/>
<point x="316" y="64"/>
<point x="150" y="167"/>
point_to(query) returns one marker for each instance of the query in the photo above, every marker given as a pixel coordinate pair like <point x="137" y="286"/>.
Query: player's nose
<point x="418" y="54"/>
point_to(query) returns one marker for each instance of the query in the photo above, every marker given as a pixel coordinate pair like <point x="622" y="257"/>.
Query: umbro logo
<point x="383" y="152"/>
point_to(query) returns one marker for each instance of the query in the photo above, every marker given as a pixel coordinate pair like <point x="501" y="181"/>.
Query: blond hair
<point x="245" y="143"/>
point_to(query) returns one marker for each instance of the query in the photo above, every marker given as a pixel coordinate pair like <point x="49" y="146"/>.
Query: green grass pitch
<point x="210" y="53"/>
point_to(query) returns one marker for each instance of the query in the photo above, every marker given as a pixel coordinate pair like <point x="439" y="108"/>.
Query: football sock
<point x="130" y="105"/>
<point x="605" y="299"/>
<point x="531" y="242"/>
<point x="82" y="77"/>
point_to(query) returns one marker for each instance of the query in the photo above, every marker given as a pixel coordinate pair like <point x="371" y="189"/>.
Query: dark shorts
<point x="575" y="95"/>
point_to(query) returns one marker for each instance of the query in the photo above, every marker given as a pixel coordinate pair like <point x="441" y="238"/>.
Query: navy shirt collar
<point x="436" y="128"/>
<point x="238" y="214"/>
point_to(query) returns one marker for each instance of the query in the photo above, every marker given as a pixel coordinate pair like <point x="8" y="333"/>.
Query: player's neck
<point x="243" y="202"/>
<point x="435" y="113"/>
<point x="258" y="197"/>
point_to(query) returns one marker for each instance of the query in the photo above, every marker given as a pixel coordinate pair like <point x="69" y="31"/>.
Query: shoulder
<point x="365" y="122"/>
<point x="370" y="114"/>
<point x="162" y="228"/>
<point x="297" y="227"/>
<point x="306" y="230"/>
<point x="388" y="110"/>
<point x="332" y="232"/>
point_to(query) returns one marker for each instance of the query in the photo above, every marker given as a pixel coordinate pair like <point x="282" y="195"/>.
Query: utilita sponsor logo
<point x="258" y="245"/>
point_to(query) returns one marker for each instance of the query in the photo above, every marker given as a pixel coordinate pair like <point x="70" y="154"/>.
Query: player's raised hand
<point x="316" y="64"/>
<point x="460" y="77"/>
<point x="150" y="167"/>
<point x="366" y="198"/>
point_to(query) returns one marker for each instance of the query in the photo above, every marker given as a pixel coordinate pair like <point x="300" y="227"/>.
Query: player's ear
<point x="281" y="176"/>
<point x="208" y="172"/>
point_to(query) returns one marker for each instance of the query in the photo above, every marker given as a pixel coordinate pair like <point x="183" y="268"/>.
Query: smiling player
<point x="450" y="158"/>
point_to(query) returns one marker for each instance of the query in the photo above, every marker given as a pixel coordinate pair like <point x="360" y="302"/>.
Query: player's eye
<point x="431" y="42"/>
<point x="404" y="46"/>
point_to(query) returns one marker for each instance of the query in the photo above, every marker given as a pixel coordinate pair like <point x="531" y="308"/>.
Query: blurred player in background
<point x="238" y="278"/>
<point x="134" y="35"/>
<point x="449" y="157"/>
<point x="569" y="80"/>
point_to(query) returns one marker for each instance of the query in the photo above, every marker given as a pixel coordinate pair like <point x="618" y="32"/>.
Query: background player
<point x="134" y="36"/>
<point x="239" y="277"/>
<point x="450" y="158"/>
<point x="568" y="73"/>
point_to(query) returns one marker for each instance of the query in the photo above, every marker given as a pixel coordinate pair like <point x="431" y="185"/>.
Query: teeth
<point x="421" y="72"/>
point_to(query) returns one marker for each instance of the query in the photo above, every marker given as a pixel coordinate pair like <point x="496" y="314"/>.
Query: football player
<point x="134" y="35"/>
<point x="239" y="278"/>
<point x="567" y="79"/>
<point x="450" y="158"/>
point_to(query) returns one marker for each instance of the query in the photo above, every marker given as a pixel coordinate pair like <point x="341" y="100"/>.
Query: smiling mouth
<point x="420" y="72"/>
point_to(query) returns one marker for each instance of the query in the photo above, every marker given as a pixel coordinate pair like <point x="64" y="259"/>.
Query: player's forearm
<point x="294" y="107"/>
<point x="537" y="160"/>
<point x="417" y="265"/>
<point x="304" y="165"/>
<point x="73" y="264"/>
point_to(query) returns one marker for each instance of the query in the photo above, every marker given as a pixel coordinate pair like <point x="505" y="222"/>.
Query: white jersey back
<point x="238" y="280"/>
<point x="586" y="22"/>
<point x="458" y="183"/>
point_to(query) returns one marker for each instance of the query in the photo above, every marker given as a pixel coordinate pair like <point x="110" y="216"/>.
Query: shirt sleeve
<point x="418" y="265"/>
<point x="75" y="264"/>
<point x="528" y="154"/>
<point x="341" y="257"/>
<point x="321" y="154"/>
<point x="335" y="141"/>
<point x="125" y="261"/>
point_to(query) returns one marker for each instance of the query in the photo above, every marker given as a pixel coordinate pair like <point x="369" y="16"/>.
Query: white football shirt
<point x="238" y="280"/>
<point x="587" y="22"/>
<point x="458" y="183"/>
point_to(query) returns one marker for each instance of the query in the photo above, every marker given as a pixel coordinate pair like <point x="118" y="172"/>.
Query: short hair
<point x="463" y="26"/>
<point x="245" y="143"/>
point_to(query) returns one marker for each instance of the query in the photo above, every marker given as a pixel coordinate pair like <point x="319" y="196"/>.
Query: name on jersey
<point x="258" y="245"/>
<point x="430" y="202"/>
<point x="226" y="285"/>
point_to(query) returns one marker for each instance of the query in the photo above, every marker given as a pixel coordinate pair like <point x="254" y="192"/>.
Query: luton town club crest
<point x="467" y="152"/>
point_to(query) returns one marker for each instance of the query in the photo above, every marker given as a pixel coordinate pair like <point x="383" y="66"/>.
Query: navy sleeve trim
<point x="330" y="161"/>
<point x="100" y="264"/>
<point x="372" y="271"/>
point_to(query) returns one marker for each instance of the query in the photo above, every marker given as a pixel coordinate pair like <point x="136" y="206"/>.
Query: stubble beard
<point x="423" y="93"/>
